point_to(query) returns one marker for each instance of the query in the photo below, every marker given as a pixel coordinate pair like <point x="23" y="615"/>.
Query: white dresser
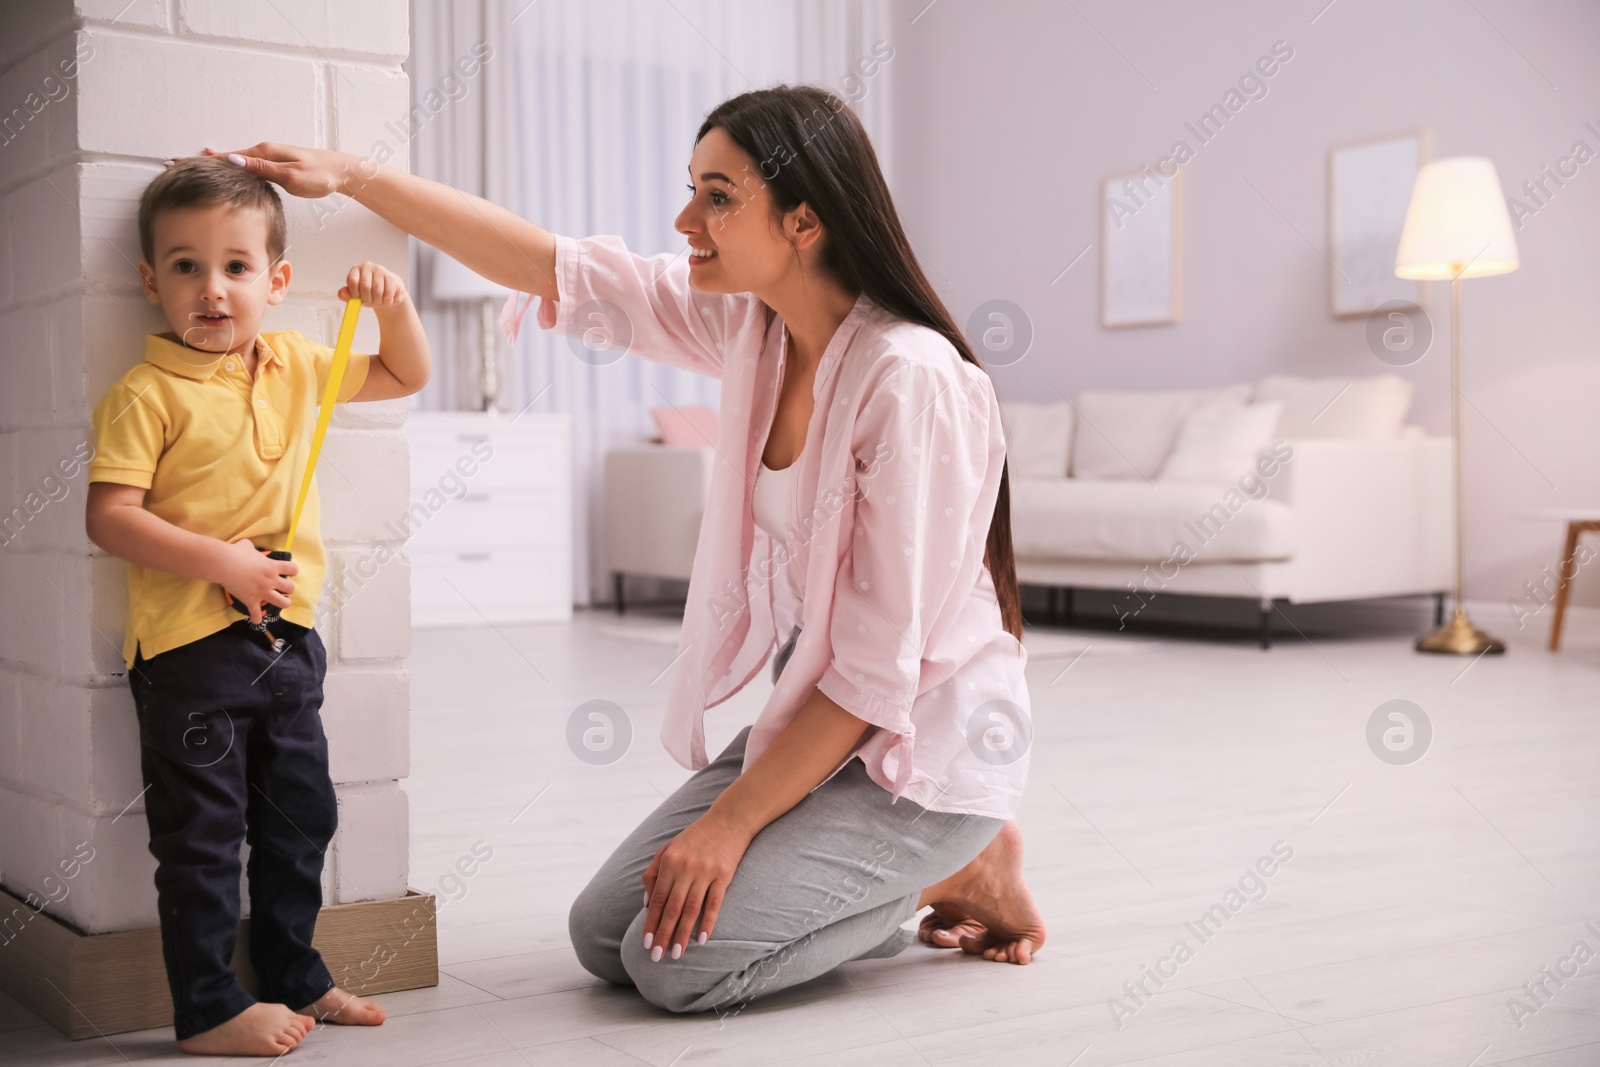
<point x="490" y="520"/>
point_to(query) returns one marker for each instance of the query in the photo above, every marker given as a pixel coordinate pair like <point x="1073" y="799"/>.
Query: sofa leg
<point x="1066" y="613"/>
<point x="1050" y="605"/>
<point x="1438" y="609"/>
<point x="1266" y="623"/>
<point x="616" y="584"/>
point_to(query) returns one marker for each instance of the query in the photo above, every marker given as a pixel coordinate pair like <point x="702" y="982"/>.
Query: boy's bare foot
<point x="259" y="1030"/>
<point x="345" y="1009"/>
<point x="985" y="908"/>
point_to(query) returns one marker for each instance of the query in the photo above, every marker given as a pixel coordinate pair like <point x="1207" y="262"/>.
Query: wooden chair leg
<point x="1564" y="575"/>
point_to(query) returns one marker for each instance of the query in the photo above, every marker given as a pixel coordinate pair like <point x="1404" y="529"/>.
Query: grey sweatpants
<point x="830" y="880"/>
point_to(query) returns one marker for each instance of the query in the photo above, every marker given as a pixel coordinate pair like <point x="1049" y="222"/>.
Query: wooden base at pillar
<point x="86" y="985"/>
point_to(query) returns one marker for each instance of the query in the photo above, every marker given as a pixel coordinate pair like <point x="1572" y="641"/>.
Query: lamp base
<point x="1459" y="637"/>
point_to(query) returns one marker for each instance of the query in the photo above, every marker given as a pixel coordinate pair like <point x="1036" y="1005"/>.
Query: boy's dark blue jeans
<point x="232" y="750"/>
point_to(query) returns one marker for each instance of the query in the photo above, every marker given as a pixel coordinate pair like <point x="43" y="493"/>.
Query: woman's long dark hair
<point x="811" y="148"/>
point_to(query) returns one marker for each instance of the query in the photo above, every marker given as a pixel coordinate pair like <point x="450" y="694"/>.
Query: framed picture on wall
<point x="1369" y="189"/>
<point x="1141" y="221"/>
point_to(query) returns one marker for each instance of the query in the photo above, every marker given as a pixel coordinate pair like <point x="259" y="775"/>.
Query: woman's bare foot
<point x="345" y="1009"/>
<point x="985" y="908"/>
<point x="259" y="1030"/>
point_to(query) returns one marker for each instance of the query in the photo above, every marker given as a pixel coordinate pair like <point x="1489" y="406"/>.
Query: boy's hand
<point x="375" y="286"/>
<point x="252" y="578"/>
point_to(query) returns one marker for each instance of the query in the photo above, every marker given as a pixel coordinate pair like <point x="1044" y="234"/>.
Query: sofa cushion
<point x="1067" y="518"/>
<point x="1220" y="442"/>
<point x="1128" y="435"/>
<point x="686" y="426"/>
<point x="1038" y="438"/>
<point x="1366" y="408"/>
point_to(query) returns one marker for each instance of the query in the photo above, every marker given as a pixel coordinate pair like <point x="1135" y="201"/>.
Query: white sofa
<point x="1356" y="505"/>
<point x="1340" y="502"/>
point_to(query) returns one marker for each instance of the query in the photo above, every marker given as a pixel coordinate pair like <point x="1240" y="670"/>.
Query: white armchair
<point x="655" y="497"/>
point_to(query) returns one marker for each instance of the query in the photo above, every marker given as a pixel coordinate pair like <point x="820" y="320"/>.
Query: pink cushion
<point x="687" y="425"/>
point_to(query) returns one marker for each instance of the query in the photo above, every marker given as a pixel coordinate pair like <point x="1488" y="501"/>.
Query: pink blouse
<point x="894" y="492"/>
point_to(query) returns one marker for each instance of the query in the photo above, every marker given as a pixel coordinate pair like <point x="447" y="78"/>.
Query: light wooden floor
<point x="1419" y="899"/>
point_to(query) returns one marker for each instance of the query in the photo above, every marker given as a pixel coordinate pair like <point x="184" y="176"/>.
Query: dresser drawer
<point x="539" y="459"/>
<point x="491" y="519"/>
<point x="469" y="588"/>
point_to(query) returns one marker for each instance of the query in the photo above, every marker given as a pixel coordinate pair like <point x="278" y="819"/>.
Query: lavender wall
<point x="1009" y="115"/>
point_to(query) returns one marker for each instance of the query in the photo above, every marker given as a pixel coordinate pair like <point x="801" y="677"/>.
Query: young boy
<point x="199" y="455"/>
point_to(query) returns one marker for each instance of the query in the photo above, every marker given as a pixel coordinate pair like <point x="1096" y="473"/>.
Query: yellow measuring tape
<point x="330" y="395"/>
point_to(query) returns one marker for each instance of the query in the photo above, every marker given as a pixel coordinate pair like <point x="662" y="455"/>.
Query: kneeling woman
<point x="857" y="533"/>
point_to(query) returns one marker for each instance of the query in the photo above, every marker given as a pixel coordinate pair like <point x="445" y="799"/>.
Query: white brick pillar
<point x="93" y="95"/>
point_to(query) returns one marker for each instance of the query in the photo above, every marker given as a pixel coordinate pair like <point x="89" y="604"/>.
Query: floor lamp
<point x="454" y="282"/>
<point x="1457" y="227"/>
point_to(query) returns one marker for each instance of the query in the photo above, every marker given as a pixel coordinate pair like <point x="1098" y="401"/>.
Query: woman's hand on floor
<point x="685" y="883"/>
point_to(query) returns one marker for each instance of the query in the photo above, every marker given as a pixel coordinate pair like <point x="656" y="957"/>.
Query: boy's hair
<point x="202" y="181"/>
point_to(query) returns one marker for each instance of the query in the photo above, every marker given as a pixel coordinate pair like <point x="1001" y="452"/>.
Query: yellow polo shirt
<point x="219" y="453"/>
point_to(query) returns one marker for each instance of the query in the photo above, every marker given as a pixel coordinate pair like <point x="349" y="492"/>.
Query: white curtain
<point x="590" y="108"/>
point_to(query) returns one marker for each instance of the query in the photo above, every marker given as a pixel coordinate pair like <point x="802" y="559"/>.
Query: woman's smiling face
<point x="736" y="245"/>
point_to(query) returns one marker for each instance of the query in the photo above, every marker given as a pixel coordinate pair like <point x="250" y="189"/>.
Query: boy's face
<point x="212" y="275"/>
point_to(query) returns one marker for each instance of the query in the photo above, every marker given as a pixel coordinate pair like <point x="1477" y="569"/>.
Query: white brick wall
<point x="369" y="815"/>
<point x="46" y="130"/>
<point x="373" y="619"/>
<point x="43" y="219"/>
<point x="25" y="367"/>
<point x="326" y="239"/>
<point x="154" y="97"/>
<point x="369" y="732"/>
<point x="151" y="79"/>
<point x="10" y="732"/>
<point x="357" y="508"/>
<point x="369" y="105"/>
<point x="371" y="27"/>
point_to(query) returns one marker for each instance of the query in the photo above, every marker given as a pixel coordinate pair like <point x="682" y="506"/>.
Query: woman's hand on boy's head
<point x="375" y="286"/>
<point x="303" y="172"/>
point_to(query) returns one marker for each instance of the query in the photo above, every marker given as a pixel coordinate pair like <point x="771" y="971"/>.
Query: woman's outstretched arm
<point x="500" y="245"/>
<point x="685" y="883"/>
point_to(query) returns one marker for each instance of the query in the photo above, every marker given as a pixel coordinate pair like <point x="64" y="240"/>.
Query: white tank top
<point x="770" y="499"/>
<point x="770" y="503"/>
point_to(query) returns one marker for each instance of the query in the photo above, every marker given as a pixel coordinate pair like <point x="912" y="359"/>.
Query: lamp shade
<point x="452" y="281"/>
<point x="1457" y="225"/>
